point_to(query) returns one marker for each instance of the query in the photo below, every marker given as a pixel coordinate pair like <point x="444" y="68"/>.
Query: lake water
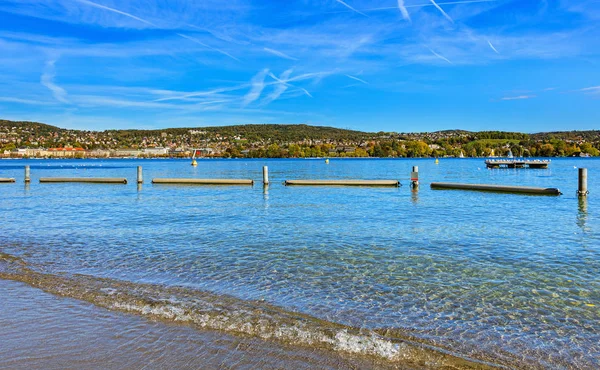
<point x="426" y="278"/>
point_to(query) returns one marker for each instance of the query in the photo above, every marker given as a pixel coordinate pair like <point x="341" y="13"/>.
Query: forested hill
<point x="282" y="141"/>
<point x="255" y="132"/>
<point x="35" y="128"/>
<point x="589" y="136"/>
<point x="298" y="132"/>
<point x="260" y="132"/>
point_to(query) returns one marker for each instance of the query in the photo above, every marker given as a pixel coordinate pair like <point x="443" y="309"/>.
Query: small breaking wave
<point x="225" y="313"/>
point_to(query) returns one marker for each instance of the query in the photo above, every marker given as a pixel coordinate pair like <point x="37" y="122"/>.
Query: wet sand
<point x="44" y="331"/>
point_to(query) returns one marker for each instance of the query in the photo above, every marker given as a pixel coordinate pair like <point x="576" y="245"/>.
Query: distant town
<point x="38" y="140"/>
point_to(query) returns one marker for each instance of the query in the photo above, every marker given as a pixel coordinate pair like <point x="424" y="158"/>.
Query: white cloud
<point x="403" y="10"/>
<point x="520" y="97"/>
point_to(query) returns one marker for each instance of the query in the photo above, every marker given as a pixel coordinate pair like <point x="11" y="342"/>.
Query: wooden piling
<point x="582" y="189"/>
<point x="5" y="180"/>
<point x="496" y="188"/>
<point x="414" y="177"/>
<point x="140" y="178"/>
<point x="343" y="182"/>
<point x="265" y="175"/>
<point x="95" y="180"/>
<point x="203" y="181"/>
<point x="27" y="174"/>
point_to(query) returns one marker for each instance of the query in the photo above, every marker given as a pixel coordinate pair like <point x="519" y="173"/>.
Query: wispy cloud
<point x="357" y="79"/>
<point x="258" y="84"/>
<point x="99" y="6"/>
<point x="279" y="53"/>
<point x="440" y="56"/>
<point x="591" y="90"/>
<point x="520" y="97"/>
<point x="184" y="67"/>
<point x="403" y="10"/>
<point x="47" y="80"/>
<point x="442" y="11"/>
<point x="351" y="8"/>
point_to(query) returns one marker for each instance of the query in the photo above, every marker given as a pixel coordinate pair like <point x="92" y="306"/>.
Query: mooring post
<point x="265" y="175"/>
<point x="414" y="177"/>
<point x="27" y="174"/>
<point x="583" y="189"/>
<point x="140" y="179"/>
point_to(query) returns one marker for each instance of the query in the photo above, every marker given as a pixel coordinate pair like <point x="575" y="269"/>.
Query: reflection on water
<point x="582" y="204"/>
<point x="502" y="276"/>
<point x="414" y="195"/>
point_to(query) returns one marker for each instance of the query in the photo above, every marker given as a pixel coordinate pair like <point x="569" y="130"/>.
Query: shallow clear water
<point x="510" y="279"/>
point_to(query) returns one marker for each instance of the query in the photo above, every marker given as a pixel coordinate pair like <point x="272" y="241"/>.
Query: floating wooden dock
<point x="203" y="181"/>
<point x="343" y="182"/>
<point x="94" y="180"/>
<point x="516" y="163"/>
<point x="496" y="188"/>
<point x="2" y="179"/>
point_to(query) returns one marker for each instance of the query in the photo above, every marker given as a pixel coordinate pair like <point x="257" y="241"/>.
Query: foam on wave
<point x="219" y="312"/>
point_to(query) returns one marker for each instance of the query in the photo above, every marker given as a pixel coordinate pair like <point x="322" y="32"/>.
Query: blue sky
<point x="379" y="65"/>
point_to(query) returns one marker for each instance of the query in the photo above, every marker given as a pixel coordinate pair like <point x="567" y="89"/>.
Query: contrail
<point x="439" y="56"/>
<point x="286" y="82"/>
<point x="246" y="85"/>
<point x="207" y="46"/>
<point x="442" y="11"/>
<point x="429" y="4"/>
<point x="205" y="93"/>
<point x="492" y="46"/>
<point x="279" y="54"/>
<point x="357" y="79"/>
<point x="403" y="10"/>
<point x="90" y="3"/>
<point x="280" y="88"/>
<point x="351" y="8"/>
<point x="453" y="2"/>
<point x="115" y="11"/>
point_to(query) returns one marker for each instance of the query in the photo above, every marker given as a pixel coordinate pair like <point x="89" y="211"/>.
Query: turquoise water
<point x="508" y="279"/>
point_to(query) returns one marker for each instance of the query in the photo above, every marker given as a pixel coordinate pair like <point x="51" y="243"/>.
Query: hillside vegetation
<point x="272" y="140"/>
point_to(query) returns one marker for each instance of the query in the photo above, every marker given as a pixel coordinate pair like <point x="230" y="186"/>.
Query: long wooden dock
<point x="496" y="188"/>
<point x="343" y="182"/>
<point x="186" y="181"/>
<point x="94" y="180"/>
<point x="517" y="163"/>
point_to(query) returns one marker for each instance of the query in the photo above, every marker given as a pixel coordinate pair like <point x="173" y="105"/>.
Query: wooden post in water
<point x="582" y="190"/>
<point x="265" y="175"/>
<point x="27" y="174"/>
<point x="140" y="179"/>
<point x="414" y="177"/>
